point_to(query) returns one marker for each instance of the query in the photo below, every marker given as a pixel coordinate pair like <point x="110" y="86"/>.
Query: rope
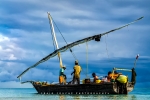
<point x="65" y="40"/>
<point x="106" y="47"/>
<point x="87" y="59"/>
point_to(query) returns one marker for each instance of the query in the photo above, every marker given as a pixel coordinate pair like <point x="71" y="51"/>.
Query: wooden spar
<point x="54" y="37"/>
<point x="123" y="69"/>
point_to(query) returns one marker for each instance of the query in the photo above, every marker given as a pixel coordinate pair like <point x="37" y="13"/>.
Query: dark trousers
<point x="76" y="79"/>
<point x="121" y="88"/>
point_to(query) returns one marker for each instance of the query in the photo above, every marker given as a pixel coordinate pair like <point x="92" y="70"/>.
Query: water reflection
<point x="133" y="97"/>
<point x="61" y="97"/>
<point x="92" y="97"/>
<point x="77" y="97"/>
<point x="102" y="97"/>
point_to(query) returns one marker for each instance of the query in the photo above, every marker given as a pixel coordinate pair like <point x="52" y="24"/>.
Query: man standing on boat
<point x="76" y="72"/>
<point x="62" y="76"/>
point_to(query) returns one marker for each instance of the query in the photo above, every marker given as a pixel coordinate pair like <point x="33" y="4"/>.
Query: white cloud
<point x="124" y="11"/>
<point x="8" y="48"/>
<point x="0" y="47"/>
<point x="14" y="84"/>
<point x="12" y="57"/>
<point x="3" y="38"/>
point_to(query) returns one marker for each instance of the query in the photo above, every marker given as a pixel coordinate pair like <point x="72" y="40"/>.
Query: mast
<point x="54" y="37"/>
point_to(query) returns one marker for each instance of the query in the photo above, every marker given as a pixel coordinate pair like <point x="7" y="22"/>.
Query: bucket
<point x="98" y="81"/>
<point x="87" y="81"/>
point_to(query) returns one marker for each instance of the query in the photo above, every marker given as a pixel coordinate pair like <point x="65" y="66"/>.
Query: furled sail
<point x="64" y="48"/>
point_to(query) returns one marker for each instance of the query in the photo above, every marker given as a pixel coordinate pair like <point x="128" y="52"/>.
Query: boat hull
<point x="102" y="88"/>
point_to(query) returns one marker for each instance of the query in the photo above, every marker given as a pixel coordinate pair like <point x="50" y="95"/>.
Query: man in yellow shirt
<point x="76" y="72"/>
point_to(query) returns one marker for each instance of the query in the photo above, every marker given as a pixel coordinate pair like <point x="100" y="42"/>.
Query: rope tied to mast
<point x="87" y="59"/>
<point x="106" y="48"/>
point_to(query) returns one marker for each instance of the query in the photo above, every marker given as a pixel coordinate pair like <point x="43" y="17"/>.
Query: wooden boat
<point x="87" y="87"/>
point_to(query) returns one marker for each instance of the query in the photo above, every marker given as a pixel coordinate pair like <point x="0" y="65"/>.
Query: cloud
<point x="14" y="84"/>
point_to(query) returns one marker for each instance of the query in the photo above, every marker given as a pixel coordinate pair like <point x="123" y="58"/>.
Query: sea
<point x="31" y="94"/>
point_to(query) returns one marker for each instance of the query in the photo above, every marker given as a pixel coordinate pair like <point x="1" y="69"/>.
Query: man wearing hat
<point x="62" y="76"/>
<point x="76" y="72"/>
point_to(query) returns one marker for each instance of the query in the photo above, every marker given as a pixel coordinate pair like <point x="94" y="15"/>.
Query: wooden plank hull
<point x="102" y="88"/>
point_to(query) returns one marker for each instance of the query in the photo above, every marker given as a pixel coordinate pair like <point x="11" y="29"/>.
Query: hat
<point x="93" y="74"/>
<point x="115" y="72"/>
<point x="64" y="67"/>
<point x="76" y="61"/>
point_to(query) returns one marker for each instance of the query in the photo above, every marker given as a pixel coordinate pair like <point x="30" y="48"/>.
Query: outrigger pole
<point x="54" y="37"/>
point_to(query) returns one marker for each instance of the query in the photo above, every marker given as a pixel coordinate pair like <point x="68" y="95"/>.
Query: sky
<point x="25" y="38"/>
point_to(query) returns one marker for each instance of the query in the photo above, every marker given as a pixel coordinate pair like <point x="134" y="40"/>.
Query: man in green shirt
<point x="62" y="76"/>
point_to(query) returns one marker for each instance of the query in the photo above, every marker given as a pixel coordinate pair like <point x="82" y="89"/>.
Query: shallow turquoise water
<point x="31" y="94"/>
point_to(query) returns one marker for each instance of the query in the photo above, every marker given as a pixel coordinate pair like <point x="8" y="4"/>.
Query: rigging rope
<point x="87" y="59"/>
<point x="65" y="40"/>
<point x="106" y="48"/>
